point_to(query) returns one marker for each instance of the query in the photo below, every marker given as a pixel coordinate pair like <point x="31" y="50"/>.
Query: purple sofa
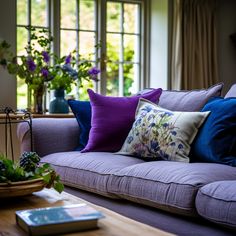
<point x="190" y="189"/>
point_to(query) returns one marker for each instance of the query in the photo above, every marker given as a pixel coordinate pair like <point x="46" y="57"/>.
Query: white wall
<point x="226" y="22"/>
<point x="8" y="82"/>
<point x="159" y="41"/>
<point x="8" y="32"/>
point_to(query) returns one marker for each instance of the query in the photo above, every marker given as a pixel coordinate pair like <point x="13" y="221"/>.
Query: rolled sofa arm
<point x="49" y="135"/>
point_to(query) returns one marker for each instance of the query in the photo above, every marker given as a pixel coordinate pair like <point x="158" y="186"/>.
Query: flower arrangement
<point x="28" y="168"/>
<point x="40" y="66"/>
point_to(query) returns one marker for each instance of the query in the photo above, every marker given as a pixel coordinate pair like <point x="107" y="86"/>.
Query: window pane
<point x="86" y="43"/>
<point x="21" y="94"/>
<point x="68" y="42"/>
<point x="87" y="16"/>
<point x="113" y="17"/>
<point x="131" y="52"/>
<point x="112" y="79"/>
<point x="83" y="95"/>
<point x="113" y="47"/>
<point x="68" y="14"/>
<point x="128" y="79"/>
<point x="131" y="20"/>
<point x="22" y="12"/>
<point x="22" y="39"/>
<point x="39" y="13"/>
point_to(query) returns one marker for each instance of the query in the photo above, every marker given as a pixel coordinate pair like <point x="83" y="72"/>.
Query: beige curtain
<point x="194" y="52"/>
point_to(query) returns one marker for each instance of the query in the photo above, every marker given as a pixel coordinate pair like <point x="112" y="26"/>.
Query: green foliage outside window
<point x="87" y="40"/>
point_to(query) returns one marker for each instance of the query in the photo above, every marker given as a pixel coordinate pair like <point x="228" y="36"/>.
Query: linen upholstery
<point x="231" y="92"/>
<point x="170" y="186"/>
<point x="50" y="135"/>
<point x="187" y="100"/>
<point x="217" y="202"/>
<point x="88" y="171"/>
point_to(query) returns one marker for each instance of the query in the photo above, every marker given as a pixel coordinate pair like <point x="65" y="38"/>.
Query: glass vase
<point x="38" y="100"/>
<point x="59" y="103"/>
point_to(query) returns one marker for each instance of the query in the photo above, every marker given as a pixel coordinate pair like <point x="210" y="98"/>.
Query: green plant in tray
<point x="28" y="168"/>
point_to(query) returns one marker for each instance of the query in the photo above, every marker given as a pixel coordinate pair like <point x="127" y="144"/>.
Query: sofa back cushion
<point x="231" y="92"/>
<point x="216" y="140"/>
<point x="187" y="100"/>
<point x="112" y="119"/>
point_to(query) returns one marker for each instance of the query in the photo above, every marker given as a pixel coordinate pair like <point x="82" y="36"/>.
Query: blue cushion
<point x="216" y="140"/>
<point x="82" y="112"/>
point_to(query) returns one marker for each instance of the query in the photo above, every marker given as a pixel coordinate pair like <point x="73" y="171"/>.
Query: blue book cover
<point x="54" y="220"/>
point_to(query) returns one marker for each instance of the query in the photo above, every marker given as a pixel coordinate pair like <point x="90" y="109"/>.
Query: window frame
<point x="53" y="24"/>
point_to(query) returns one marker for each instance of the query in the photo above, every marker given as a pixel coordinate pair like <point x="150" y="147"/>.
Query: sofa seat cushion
<point x="167" y="185"/>
<point x="88" y="171"/>
<point x="217" y="202"/>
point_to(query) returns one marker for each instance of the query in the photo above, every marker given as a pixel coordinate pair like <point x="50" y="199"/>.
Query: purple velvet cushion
<point x="112" y="119"/>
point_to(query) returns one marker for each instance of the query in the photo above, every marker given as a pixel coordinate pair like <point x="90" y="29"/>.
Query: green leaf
<point x="47" y="178"/>
<point x="58" y="186"/>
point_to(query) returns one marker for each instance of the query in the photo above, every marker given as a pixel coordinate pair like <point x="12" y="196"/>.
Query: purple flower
<point x="46" y="56"/>
<point x="93" y="73"/>
<point x="68" y="59"/>
<point x="31" y="64"/>
<point x="44" y="72"/>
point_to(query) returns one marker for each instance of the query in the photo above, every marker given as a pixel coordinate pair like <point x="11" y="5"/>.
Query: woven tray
<point x="21" y="188"/>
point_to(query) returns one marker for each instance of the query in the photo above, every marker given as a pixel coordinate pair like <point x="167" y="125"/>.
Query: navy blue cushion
<point x="216" y="140"/>
<point x="82" y="112"/>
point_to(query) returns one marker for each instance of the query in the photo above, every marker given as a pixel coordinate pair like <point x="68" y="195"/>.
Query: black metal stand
<point x="12" y="117"/>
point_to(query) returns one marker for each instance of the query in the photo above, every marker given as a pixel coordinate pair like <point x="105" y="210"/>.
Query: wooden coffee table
<point x="112" y="225"/>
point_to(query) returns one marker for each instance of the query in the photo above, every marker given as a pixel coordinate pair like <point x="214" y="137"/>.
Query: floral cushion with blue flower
<point x="161" y="134"/>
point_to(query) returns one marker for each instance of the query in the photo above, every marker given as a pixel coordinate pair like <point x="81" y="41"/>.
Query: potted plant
<point x="68" y="71"/>
<point x="26" y="176"/>
<point x="40" y="68"/>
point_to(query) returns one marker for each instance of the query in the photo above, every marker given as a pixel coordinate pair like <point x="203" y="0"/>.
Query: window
<point x="123" y="48"/>
<point x="81" y="25"/>
<point x="29" y="13"/>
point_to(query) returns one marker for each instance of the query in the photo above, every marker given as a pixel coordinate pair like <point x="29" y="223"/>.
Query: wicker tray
<point x="21" y="188"/>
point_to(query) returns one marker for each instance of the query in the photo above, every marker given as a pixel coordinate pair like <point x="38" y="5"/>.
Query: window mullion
<point x="102" y="11"/>
<point x="121" y="65"/>
<point x="29" y="93"/>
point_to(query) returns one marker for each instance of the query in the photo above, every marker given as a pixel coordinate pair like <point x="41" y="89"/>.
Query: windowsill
<point x="55" y="115"/>
<point x="45" y="115"/>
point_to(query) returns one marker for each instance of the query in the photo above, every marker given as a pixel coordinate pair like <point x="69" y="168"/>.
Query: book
<point x="58" y="220"/>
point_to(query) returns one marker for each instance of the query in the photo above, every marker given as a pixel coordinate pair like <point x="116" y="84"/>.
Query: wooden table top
<point x="112" y="225"/>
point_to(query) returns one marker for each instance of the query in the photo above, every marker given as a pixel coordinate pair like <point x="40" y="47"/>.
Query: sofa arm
<point x="49" y="135"/>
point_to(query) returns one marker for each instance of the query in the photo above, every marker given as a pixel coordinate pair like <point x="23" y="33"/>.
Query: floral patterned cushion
<point x="161" y="134"/>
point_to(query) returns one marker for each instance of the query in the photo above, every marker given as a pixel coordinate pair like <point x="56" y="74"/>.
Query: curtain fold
<point x="194" y="45"/>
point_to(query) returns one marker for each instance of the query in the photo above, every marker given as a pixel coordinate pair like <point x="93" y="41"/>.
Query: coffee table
<point x="112" y="225"/>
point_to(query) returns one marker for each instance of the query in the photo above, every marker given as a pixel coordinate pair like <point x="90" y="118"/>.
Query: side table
<point x="8" y="117"/>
